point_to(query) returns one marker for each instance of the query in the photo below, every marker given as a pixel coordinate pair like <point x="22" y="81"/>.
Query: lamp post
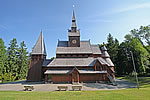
<point x="134" y="70"/>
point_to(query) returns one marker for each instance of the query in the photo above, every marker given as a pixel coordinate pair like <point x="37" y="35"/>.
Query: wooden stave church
<point x="76" y="61"/>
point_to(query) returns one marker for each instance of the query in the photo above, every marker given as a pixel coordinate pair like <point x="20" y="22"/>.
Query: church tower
<point x="74" y="34"/>
<point x="38" y="55"/>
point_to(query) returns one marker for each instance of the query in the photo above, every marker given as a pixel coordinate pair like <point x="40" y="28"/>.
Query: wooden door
<point x="75" y="77"/>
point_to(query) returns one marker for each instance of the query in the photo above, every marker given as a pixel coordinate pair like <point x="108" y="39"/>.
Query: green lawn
<point x="126" y="94"/>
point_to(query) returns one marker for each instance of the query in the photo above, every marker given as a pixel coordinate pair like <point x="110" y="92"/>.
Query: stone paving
<point x="19" y="86"/>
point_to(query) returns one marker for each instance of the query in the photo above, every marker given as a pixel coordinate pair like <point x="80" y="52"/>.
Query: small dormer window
<point x="98" y="68"/>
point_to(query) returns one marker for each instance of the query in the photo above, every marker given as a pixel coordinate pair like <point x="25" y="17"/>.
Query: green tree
<point x="3" y="57"/>
<point x="112" y="46"/>
<point x="141" y="56"/>
<point x="143" y="35"/>
<point x="23" y="61"/>
<point x="123" y="62"/>
<point x="13" y="59"/>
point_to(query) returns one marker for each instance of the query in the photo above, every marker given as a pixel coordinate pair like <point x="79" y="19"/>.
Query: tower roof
<point x="73" y="19"/>
<point x="104" y="51"/>
<point x="104" y="48"/>
<point x="39" y="47"/>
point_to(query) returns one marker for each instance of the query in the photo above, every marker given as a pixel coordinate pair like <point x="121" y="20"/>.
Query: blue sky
<point x="24" y="19"/>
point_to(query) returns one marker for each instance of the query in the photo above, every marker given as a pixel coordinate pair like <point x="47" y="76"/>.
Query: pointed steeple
<point x="39" y="47"/>
<point x="104" y="51"/>
<point x="74" y="27"/>
<point x="73" y="17"/>
<point x="104" y="47"/>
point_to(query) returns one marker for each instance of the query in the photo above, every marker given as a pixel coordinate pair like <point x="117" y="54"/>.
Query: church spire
<point x="73" y="17"/>
<point x="74" y="33"/>
<point x="74" y="27"/>
<point x="39" y="47"/>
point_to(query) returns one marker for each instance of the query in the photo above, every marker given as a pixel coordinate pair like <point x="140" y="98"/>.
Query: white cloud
<point x="97" y="20"/>
<point x="132" y="7"/>
<point x="126" y="8"/>
<point x="3" y="27"/>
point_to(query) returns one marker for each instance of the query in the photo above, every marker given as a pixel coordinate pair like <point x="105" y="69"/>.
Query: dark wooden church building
<point x="76" y="61"/>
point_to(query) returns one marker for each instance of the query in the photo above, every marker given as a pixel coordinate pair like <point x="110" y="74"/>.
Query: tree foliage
<point x="141" y="57"/>
<point x="3" y="57"/>
<point x="14" y="61"/>
<point x="112" y="46"/>
<point x="23" y="61"/>
<point x="121" y="54"/>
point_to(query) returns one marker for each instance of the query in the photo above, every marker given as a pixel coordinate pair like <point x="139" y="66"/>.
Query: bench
<point x="28" y="88"/>
<point x="62" y="88"/>
<point x="76" y="87"/>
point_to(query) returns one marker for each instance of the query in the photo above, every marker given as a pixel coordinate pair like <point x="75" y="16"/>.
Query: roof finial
<point x="103" y="43"/>
<point x="73" y="21"/>
<point x="73" y="17"/>
<point x="41" y="31"/>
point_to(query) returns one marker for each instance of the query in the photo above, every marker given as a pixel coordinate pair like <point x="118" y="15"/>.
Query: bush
<point x="7" y="77"/>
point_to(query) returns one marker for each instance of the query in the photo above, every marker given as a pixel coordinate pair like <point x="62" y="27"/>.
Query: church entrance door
<point x="75" y="76"/>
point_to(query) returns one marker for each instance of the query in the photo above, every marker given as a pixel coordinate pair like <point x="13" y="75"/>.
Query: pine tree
<point x="124" y="60"/>
<point x="3" y="58"/>
<point x="141" y="56"/>
<point x="112" y="46"/>
<point x="23" y="61"/>
<point x="13" y="59"/>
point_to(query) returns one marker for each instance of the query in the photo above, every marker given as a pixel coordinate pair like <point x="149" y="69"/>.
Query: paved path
<point x="18" y="86"/>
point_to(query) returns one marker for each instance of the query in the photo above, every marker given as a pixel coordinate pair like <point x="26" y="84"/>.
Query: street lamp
<point x="134" y="70"/>
<point x="133" y="65"/>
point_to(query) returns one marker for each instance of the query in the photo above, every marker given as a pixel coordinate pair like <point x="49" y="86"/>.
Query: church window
<point x="97" y="67"/>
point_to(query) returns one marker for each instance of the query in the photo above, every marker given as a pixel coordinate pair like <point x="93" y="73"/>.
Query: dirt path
<point x="19" y="86"/>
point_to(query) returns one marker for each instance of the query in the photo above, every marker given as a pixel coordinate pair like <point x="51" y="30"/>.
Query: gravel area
<point x="39" y="86"/>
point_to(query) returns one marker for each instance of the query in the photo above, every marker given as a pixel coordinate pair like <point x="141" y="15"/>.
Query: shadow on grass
<point x="143" y="81"/>
<point x="121" y="84"/>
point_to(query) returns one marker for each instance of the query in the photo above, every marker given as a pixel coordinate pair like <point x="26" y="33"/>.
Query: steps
<point x="112" y="80"/>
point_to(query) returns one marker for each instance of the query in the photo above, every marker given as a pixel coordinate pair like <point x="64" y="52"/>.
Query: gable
<point x="75" y="70"/>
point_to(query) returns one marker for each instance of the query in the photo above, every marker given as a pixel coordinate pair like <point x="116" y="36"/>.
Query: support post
<point x="46" y="78"/>
<point x="135" y="70"/>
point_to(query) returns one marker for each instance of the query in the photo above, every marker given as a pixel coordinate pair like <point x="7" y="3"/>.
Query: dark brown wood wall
<point x="35" y="68"/>
<point x="61" y="78"/>
<point x="82" y="78"/>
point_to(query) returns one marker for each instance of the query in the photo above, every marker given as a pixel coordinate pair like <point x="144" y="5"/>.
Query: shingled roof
<point x="85" y="48"/>
<point x="108" y="60"/>
<point x="104" y="52"/>
<point x="67" y="62"/>
<point x="72" y="62"/>
<point x="95" y="49"/>
<point x="104" y="48"/>
<point x="62" y="48"/>
<point x="69" y="71"/>
<point x="39" y="47"/>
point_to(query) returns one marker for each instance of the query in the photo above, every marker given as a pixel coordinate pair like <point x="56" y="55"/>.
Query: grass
<point x="130" y="94"/>
<point x="124" y="94"/>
